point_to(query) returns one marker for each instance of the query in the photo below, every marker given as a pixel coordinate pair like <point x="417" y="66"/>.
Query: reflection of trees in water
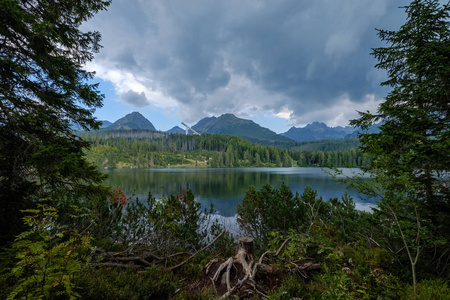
<point x="224" y="188"/>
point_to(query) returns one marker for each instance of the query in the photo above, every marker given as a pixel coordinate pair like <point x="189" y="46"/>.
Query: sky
<point x="279" y="63"/>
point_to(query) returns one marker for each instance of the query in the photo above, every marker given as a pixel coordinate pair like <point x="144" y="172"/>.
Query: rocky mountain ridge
<point x="232" y="125"/>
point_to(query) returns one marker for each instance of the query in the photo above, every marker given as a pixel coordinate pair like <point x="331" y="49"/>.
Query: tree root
<point x="237" y="275"/>
<point x="244" y="271"/>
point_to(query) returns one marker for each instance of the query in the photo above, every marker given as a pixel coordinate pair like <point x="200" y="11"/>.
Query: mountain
<point x="176" y="129"/>
<point x="372" y="129"/>
<point x="105" y="123"/>
<point x="232" y="125"/>
<point x="132" y="121"/>
<point x="202" y="125"/>
<point x="318" y="131"/>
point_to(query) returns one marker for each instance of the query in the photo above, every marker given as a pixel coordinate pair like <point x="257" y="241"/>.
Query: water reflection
<point x="226" y="187"/>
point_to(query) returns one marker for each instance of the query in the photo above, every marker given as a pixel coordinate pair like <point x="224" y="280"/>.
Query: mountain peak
<point x="134" y="120"/>
<point x="135" y="114"/>
<point x="230" y="124"/>
<point x="316" y="131"/>
<point x="228" y="115"/>
<point x="317" y="125"/>
<point x="176" y="129"/>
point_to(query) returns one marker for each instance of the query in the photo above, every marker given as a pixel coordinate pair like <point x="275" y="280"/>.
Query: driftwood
<point x="237" y="275"/>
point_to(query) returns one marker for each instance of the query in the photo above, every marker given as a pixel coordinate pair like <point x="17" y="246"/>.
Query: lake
<point x="226" y="187"/>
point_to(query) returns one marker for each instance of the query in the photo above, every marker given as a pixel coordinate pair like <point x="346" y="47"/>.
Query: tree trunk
<point x="245" y="248"/>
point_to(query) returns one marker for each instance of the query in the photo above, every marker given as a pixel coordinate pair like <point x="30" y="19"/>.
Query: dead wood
<point x="309" y="266"/>
<point x="120" y="260"/>
<point x="244" y="271"/>
<point x="134" y="259"/>
<point x="274" y="253"/>
<point x="199" y="251"/>
<point x="237" y="275"/>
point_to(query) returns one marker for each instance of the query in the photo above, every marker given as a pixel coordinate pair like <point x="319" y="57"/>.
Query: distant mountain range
<point x="318" y="131"/>
<point x="232" y="125"/>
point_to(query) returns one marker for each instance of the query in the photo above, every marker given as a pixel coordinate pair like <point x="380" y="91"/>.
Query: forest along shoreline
<point x="149" y="149"/>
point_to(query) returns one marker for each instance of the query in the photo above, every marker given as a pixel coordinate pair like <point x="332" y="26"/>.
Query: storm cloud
<point x="135" y="99"/>
<point x="301" y="60"/>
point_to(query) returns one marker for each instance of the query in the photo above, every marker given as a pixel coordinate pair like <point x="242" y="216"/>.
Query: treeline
<point x="326" y="145"/>
<point x="350" y="158"/>
<point x="149" y="149"/>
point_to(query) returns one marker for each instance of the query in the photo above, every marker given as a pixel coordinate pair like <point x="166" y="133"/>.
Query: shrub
<point x="106" y="283"/>
<point x="48" y="256"/>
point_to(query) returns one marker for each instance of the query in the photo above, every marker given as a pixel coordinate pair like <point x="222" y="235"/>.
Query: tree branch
<point x="193" y="255"/>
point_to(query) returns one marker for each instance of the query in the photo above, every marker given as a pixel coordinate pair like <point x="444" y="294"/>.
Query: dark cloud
<point x="135" y="99"/>
<point x="212" y="57"/>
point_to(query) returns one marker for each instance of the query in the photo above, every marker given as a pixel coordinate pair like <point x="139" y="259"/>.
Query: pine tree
<point x="43" y="90"/>
<point x="411" y="157"/>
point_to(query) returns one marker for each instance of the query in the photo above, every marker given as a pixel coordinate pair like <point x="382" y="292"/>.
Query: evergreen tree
<point x="43" y="90"/>
<point x="411" y="157"/>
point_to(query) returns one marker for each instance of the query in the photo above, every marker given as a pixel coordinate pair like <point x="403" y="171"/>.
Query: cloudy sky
<point x="279" y="63"/>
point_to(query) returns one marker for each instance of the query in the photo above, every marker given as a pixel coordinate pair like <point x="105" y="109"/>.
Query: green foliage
<point x="7" y="264"/>
<point x="327" y="145"/>
<point x="225" y="246"/>
<point x="292" y="286"/>
<point x="346" y="219"/>
<point x="48" y="257"/>
<point x="348" y="272"/>
<point x="297" y="249"/>
<point x="430" y="289"/>
<point x="266" y="210"/>
<point x="167" y="225"/>
<point x="179" y="219"/>
<point x="279" y="210"/>
<point x="104" y="283"/>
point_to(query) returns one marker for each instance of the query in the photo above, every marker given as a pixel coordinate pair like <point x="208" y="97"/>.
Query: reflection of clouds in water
<point x="365" y="206"/>
<point x="230" y="224"/>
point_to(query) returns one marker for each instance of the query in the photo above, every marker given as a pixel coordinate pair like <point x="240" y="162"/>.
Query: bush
<point x="430" y="289"/>
<point x="279" y="210"/>
<point x="48" y="256"/>
<point x="115" y="284"/>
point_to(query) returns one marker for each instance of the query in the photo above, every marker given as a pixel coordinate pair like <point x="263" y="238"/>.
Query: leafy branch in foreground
<point x="49" y="255"/>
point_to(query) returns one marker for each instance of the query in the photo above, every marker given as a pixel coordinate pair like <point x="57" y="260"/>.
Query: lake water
<point x="226" y="187"/>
